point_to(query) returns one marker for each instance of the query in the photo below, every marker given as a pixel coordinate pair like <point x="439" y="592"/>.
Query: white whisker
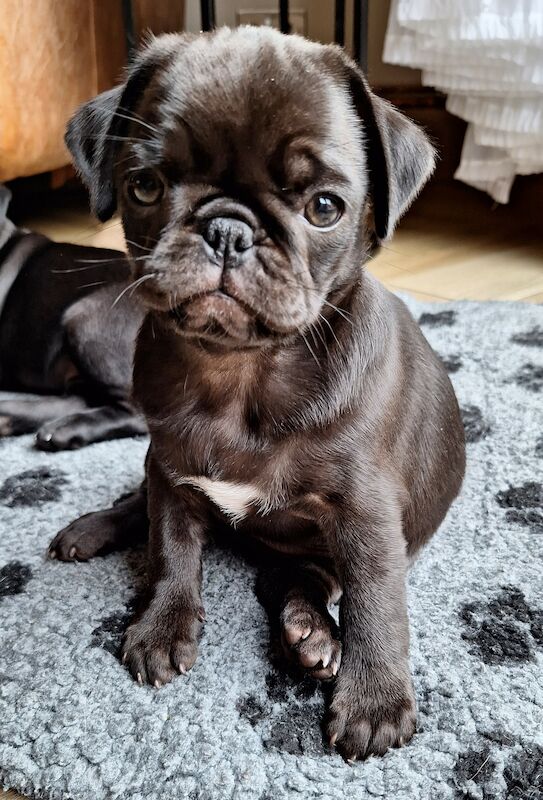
<point x="135" y="244"/>
<point x="137" y="121"/>
<point x="132" y="286"/>
<point x="310" y="350"/>
<point x="331" y="328"/>
<point x="96" y="283"/>
<point x="322" y="337"/>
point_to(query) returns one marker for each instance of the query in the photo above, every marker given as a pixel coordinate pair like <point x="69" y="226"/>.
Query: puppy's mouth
<point x="218" y="316"/>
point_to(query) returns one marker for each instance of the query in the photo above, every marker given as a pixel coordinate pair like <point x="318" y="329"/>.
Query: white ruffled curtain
<point x="487" y="56"/>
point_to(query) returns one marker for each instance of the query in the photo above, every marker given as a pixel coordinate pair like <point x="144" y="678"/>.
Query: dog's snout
<point x="228" y="236"/>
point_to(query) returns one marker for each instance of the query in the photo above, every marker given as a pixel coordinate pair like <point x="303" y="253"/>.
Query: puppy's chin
<point x="219" y="318"/>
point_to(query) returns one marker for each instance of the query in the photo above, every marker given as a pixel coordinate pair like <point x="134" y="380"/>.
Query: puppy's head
<point x="254" y="173"/>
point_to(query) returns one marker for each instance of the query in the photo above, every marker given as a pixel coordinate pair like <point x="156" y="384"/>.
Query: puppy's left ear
<point x="97" y="128"/>
<point x="399" y="155"/>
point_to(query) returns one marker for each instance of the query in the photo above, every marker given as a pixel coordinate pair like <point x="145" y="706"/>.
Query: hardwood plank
<point x="534" y="298"/>
<point x="482" y="273"/>
<point x="423" y="296"/>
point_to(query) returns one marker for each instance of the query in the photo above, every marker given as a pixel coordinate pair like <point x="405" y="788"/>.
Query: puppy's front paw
<point x="156" y="649"/>
<point x="368" y="717"/>
<point x="91" y="535"/>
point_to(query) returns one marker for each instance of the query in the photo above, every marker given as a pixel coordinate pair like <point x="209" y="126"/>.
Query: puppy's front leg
<point x="373" y="705"/>
<point x="163" y="639"/>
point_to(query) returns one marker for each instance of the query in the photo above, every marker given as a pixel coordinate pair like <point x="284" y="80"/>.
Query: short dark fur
<point x="61" y="339"/>
<point x="270" y="358"/>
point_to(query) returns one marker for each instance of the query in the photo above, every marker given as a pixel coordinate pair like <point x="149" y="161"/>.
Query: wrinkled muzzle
<point x="220" y="275"/>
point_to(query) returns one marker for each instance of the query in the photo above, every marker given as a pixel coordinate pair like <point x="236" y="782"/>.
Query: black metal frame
<point x="360" y="33"/>
<point x="128" y="21"/>
<point x="208" y="19"/>
<point x="339" y="22"/>
<point x="207" y="11"/>
<point x="284" y="22"/>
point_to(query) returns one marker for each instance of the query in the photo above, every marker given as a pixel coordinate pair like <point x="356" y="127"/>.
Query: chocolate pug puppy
<point x="286" y="391"/>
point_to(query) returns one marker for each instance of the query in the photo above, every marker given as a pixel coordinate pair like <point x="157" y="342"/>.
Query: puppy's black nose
<point x="228" y="236"/>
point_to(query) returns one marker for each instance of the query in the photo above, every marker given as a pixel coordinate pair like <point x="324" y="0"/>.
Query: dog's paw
<point x="91" y="535"/>
<point x="13" y="425"/>
<point x="311" y="638"/>
<point x="156" y="650"/>
<point x="6" y="425"/>
<point x="63" y="434"/>
<point x="367" y="718"/>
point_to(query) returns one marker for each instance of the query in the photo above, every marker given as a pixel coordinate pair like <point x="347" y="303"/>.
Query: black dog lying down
<point x="288" y="394"/>
<point x="63" y="336"/>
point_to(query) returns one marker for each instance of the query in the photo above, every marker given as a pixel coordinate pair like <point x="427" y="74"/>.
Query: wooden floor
<point x="453" y="245"/>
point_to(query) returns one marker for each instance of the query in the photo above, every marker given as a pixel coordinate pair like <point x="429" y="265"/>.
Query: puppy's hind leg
<point x="91" y="425"/>
<point x="123" y="525"/>
<point x="26" y="415"/>
<point x="100" y="335"/>
<point x="296" y="595"/>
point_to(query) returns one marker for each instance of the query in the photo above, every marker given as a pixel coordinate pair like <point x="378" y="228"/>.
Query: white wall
<point x="320" y="19"/>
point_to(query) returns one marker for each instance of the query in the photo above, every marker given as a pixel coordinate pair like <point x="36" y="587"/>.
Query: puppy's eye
<point x="145" y="187"/>
<point x="324" y="210"/>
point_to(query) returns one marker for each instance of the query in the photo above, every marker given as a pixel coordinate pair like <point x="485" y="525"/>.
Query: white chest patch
<point x="233" y="499"/>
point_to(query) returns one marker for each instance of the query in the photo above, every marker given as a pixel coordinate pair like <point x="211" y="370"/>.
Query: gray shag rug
<point x="73" y="724"/>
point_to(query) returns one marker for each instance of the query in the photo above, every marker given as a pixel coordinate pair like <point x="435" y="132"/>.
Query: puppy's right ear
<point x="5" y="199"/>
<point x="89" y="141"/>
<point x="97" y="129"/>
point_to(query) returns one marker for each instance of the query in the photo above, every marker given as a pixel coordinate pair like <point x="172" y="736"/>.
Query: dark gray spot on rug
<point x="109" y="633"/>
<point x="251" y="709"/>
<point x="532" y="338"/>
<point x="473" y="765"/>
<point x="503" y="630"/>
<point x="438" y="319"/>
<point x="281" y="686"/>
<point x="13" y="578"/>
<point x="524" y="504"/>
<point x="32" y="487"/>
<point x="499" y="736"/>
<point x="530" y="376"/>
<point x="276" y="687"/>
<point x="523" y="774"/>
<point x="296" y="731"/>
<point x="451" y="363"/>
<point x="475" y="426"/>
<point x="539" y="447"/>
